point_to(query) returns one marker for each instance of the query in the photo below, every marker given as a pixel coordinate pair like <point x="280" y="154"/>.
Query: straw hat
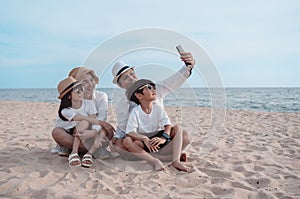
<point x="79" y="72"/>
<point x="66" y="85"/>
<point x="118" y="69"/>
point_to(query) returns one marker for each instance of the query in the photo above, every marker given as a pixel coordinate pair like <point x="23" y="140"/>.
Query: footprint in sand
<point x="259" y="182"/>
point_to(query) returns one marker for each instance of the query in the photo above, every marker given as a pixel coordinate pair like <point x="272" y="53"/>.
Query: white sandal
<point x="74" y="157"/>
<point x="87" y="160"/>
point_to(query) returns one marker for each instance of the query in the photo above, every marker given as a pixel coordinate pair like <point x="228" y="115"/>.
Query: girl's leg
<point x="76" y="144"/>
<point x="87" y="158"/>
<point x="83" y="125"/>
<point x="74" y="159"/>
<point x="63" y="138"/>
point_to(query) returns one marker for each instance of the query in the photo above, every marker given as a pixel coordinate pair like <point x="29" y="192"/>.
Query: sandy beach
<point x="257" y="155"/>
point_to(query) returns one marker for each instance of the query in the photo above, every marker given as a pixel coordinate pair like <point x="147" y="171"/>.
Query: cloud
<point x="39" y="34"/>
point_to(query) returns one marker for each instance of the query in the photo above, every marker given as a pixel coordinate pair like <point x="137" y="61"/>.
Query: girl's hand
<point x="86" y="134"/>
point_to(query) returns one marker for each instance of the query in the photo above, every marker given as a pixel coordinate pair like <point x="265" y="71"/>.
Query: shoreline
<point x="256" y="99"/>
<point x="197" y="107"/>
<point x="257" y="155"/>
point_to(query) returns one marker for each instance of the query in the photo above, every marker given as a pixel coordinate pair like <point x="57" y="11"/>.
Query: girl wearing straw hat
<point x="89" y="81"/>
<point x="76" y="116"/>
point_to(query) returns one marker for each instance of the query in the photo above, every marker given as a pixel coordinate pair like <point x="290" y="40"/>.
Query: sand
<point x="257" y="155"/>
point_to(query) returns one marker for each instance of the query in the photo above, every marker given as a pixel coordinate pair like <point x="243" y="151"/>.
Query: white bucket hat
<point x="118" y="69"/>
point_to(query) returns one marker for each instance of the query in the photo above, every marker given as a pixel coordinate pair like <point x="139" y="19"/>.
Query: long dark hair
<point x="66" y="102"/>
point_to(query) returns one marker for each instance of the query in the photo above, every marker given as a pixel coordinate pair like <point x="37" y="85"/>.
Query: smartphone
<point x="180" y="50"/>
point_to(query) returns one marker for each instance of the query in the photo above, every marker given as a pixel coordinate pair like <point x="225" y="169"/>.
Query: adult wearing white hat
<point x="124" y="76"/>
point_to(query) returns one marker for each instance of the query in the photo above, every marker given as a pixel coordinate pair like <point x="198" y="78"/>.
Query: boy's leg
<point x="177" y="148"/>
<point x="186" y="139"/>
<point x="176" y="143"/>
<point x="137" y="149"/>
<point x="166" y="153"/>
<point x="119" y="145"/>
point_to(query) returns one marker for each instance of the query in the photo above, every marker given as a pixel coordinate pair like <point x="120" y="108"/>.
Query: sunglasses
<point x="78" y="90"/>
<point x="148" y="86"/>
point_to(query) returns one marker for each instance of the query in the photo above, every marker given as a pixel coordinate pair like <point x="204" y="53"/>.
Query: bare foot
<point x="180" y="167"/>
<point x="158" y="165"/>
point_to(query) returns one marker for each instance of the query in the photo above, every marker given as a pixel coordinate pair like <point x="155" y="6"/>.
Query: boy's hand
<point x="156" y="141"/>
<point x="151" y="148"/>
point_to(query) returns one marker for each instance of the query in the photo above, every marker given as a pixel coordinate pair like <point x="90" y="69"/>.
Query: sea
<point x="254" y="99"/>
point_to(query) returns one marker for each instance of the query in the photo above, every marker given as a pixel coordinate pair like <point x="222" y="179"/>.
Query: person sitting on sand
<point x="75" y="117"/>
<point x="150" y="128"/>
<point x="124" y="76"/>
<point x="65" y="140"/>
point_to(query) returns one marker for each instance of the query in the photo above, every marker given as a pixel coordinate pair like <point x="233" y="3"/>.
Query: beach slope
<point x="257" y="155"/>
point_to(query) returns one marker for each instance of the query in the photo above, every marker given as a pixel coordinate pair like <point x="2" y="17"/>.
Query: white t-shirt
<point x="101" y="102"/>
<point x="163" y="88"/>
<point x="87" y="107"/>
<point x="141" y="122"/>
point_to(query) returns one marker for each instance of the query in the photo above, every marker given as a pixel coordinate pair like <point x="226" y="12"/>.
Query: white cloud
<point x="233" y="32"/>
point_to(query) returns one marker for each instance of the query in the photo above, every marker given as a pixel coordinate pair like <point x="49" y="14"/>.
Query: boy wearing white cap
<point x="124" y="77"/>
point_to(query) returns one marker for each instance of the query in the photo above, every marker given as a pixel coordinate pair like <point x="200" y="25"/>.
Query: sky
<point x="251" y="43"/>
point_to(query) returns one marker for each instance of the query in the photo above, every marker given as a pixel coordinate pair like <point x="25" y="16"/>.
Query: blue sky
<point x="252" y="43"/>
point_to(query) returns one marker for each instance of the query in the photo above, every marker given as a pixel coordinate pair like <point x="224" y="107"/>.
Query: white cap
<point x="118" y="69"/>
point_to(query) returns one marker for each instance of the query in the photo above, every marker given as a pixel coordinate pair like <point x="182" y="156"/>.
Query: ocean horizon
<point x="265" y="99"/>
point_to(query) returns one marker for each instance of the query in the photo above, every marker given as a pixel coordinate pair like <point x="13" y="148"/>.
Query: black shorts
<point x="70" y="131"/>
<point x="158" y="134"/>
